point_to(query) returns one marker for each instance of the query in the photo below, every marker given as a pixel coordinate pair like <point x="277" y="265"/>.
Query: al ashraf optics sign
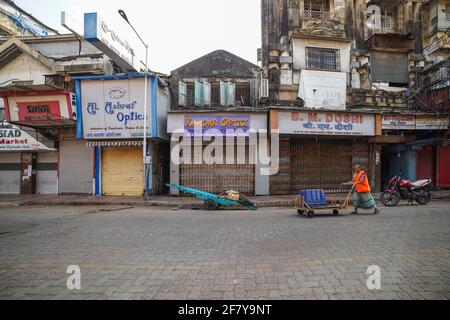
<point x="114" y="109"/>
<point x="101" y="35"/>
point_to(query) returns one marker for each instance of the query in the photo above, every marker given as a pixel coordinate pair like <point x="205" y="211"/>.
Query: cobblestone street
<point x="151" y="253"/>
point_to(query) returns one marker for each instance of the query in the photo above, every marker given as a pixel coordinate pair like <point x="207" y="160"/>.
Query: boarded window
<point x="389" y="67"/>
<point x="322" y="59"/>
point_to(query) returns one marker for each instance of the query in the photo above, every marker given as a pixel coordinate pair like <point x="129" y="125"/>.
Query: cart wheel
<point x="211" y="205"/>
<point x="335" y="212"/>
<point x="311" y="214"/>
<point x="301" y="212"/>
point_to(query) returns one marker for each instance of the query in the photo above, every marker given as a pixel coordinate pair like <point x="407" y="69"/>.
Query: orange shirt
<point x="364" y="186"/>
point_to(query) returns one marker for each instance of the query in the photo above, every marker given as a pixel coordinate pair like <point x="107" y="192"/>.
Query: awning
<point x="115" y="144"/>
<point x="420" y="144"/>
<point x="18" y="88"/>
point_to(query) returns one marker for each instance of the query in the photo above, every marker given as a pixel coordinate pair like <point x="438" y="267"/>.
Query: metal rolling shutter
<point x="76" y="167"/>
<point x="220" y="177"/>
<point x="325" y="164"/>
<point x="425" y="164"/>
<point x="47" y="173"/>
<point x="444" y="167"/>
<point x="389" y="67"/>
<point x="122" y="171"/>
<point x="10" y="164"/>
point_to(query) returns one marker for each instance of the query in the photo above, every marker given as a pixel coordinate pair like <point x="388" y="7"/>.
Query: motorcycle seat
<point x="421" y="183"/>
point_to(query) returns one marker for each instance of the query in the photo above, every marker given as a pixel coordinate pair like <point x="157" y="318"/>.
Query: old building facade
<point x="344" y="82"/>
<point x="219" y="92"/>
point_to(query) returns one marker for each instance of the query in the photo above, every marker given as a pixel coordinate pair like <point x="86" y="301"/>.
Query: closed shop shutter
<point x="122" y="171"/>
<point x="76" y="167"/>
<point x="325" y="164"/>
<point x="444" y="167"/>
<point x="10" y="164"/>
<point x="389" y="67"/>
<point x="217" y="178"/>
<point x="425" y="164"/>
<point x="47" y="173"/>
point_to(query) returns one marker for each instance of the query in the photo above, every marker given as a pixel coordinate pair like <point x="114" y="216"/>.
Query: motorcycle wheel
<point x="423" y="198"/>
<point x="390" y="199"/>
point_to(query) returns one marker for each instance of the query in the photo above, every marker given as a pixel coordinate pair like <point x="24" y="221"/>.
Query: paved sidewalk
<point x="158" y="201"/>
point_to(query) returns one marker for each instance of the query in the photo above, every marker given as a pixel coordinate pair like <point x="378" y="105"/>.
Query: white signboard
<point x="430" y="122"/>
<point x="12" y="139"/>
<point x="399" y="122"/>
<point x="102" y="35"/>
<point x="114" y="109"/>
<point x="327" y="123"/>
<point x="72" y="24"/>
<point x="320" y="89"/>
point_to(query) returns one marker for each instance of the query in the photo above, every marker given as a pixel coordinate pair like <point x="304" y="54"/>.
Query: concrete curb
<point x="276" y="203"/>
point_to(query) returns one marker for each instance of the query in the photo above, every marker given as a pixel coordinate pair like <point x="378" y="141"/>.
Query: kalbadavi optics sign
<point x="114" y="109"/>
<point x="12" y="139"/>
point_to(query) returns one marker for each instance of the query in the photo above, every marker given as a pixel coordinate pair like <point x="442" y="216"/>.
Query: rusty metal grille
<point x="217" y="178"/>
<point x="324" y="164"/>
<point x="323" y="59"/>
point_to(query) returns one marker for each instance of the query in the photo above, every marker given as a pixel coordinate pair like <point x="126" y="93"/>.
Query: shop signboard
<point x="13" y="139"/>
<point x="432" y="122"/>
<point x="398" y="122"/>
<point x="41" y="110"/>
<point x="327" y="123"/>
<point x="36" y="111"/>
<point x="114" y="109"/>
<point x="104" y="37"/>
<point x="217" y="125"/>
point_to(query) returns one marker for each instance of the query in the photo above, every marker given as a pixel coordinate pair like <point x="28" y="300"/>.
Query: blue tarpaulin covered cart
<point x="213" y="201"/>
<point x="311" y="201"/>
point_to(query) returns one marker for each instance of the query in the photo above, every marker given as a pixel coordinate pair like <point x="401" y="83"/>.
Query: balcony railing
<point x="319" y="15"/>
<point x="436" y="77"/>
<point x="434" y="86"/>
<point x="321" y="22"/>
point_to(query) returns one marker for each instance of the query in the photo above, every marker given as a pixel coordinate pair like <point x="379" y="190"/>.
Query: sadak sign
<point x="217" y="125"/>
<point x="39" y="111"/>
<point x="12" y="139"/>
<point x="327" y="123"/>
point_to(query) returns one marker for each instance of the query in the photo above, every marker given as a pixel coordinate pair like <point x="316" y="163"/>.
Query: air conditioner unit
<point x="264" y="89"/>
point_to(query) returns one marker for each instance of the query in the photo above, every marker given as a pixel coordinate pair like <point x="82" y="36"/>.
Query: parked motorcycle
<point x="400" y="188"/>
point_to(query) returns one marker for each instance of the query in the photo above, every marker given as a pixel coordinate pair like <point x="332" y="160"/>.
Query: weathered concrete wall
<point x="23" y="68"/>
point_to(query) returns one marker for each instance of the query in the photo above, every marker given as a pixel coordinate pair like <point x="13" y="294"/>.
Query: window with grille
<point x="323" y="59"/>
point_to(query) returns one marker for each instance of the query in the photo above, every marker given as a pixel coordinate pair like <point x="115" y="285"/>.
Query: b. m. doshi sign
<point x="217" y="125"/>
<point x="327" y="123"/>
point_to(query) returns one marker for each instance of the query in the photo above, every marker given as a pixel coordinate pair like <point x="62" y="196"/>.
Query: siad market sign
<point x="114" y="109"/>
<point x="13" y="139"/>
